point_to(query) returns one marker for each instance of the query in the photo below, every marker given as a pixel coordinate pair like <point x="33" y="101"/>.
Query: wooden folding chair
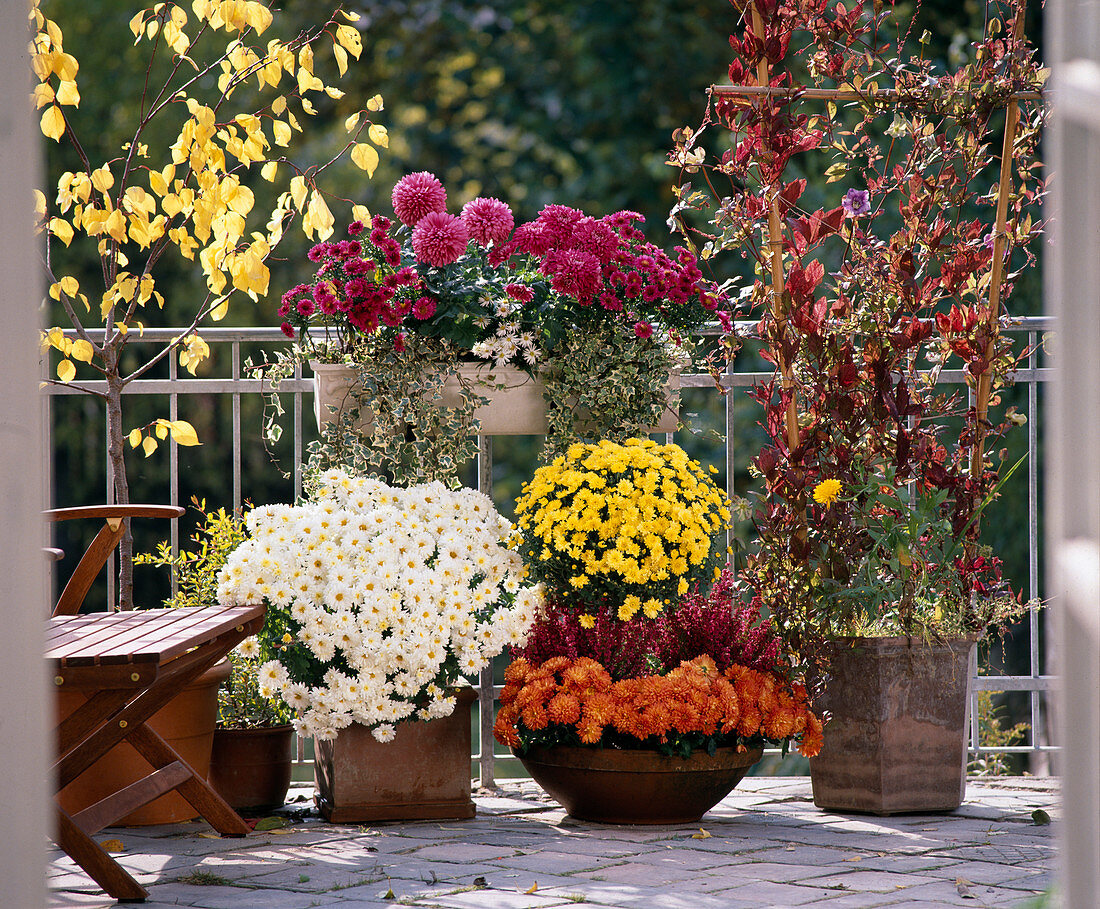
<point x="128" y="665"/>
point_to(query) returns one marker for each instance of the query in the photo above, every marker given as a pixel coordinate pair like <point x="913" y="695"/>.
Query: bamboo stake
<point x="996" y="278"/>
<point x="775" y="248"/>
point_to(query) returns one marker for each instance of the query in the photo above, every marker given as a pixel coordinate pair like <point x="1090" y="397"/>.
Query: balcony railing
<point x="240" y="385"/>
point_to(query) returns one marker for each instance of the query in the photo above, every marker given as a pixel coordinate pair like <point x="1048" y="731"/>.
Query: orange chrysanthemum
<point x="693" y="697"/>
<point x="564" y="708"/>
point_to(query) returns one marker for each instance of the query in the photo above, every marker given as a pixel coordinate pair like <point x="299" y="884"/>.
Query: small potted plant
<point x="427" y="320"/>
<point x="380" y="600"/>
<point x="253" y="752"/>
<point x="647" y="687"/>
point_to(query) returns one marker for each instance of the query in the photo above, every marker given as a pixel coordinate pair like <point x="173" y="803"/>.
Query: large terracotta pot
<point x="250" y="768"/>
<point x="516" y="409"/>
<point x="637" y="787"/>
<point x="896" y="740"/>
<point x="424" y="773"/>
<point x="186" y="723"/>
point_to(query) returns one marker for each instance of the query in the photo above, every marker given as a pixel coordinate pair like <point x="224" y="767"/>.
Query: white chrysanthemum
<point x="249" y="648"/>
<point x="387" y="584"/>
<point x="384" y="733"/>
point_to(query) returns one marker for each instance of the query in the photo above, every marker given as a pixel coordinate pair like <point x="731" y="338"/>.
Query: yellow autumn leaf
<point x="701" y="835"/>
<point x="43" y="95"/>
<point x="282" y="132"/>
<point x="532" y="888"/>
<point x="67" y="93"/>
<point x="365" y="158"/>
<point x="361" y="213"/>
<point x="183" y="433"/>
<point x="102" y="178"/>
<point x="269" y="171"/>
<point x="298" y="192"/>
<point x="134" y="438"/>
<point x="53" y="123"/>
<point x="341" y="56"/>
<point x="161" y="429"/>
<point x="82" y="351"/>
<point x="351" y="122"/>
<point x="375" y="103"/>
<point x="379" y="136"/>
<point x="66" y="372"/>
<point x="148" y="445"/>
<point x="320" y="216"/>
<point x="112" y="846"/>
<point x="350" y="38"/>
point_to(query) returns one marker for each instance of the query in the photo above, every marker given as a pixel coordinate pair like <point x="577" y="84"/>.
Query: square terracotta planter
<point x="424" y="773"/>
<point x="896" y="741"/>
<point x="516" y="409"/>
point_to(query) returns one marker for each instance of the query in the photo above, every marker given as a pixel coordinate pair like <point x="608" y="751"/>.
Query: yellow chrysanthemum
<point x="826" y="492"/>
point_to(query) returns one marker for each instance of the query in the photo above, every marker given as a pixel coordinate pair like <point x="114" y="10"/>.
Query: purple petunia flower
<point x="856" y="202"/>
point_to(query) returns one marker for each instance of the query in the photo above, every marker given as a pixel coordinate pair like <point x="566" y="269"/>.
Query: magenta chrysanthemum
<point x="574" y="273"/>
<point x="488" y="220"/>
<point x="439" y="238"/>
<point x="417" y="195"/>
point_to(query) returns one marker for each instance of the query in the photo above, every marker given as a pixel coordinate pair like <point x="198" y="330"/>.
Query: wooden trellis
<point x="766" y="94"/>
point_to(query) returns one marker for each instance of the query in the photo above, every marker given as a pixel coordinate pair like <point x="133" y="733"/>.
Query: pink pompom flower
<point x="488" y="220"/>
<point x="643" y="330"/>
<point x="439" y="238"/>
<point x="417" y="195"/>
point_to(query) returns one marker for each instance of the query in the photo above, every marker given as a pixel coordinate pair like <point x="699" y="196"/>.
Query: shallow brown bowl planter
<point x="637" y="787"/>
<point x="897" y="736"/>
<point x="424" y="773"/>
<point x="250" y="768"/>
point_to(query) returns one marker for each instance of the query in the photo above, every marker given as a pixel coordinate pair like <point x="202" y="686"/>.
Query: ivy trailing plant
<point x="874" y="478"/>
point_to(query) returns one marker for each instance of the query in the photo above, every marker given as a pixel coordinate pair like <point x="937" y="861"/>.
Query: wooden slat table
<point x="128" y="665"/>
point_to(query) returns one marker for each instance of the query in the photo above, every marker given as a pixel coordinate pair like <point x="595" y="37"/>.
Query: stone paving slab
<point x="766" y="845"/>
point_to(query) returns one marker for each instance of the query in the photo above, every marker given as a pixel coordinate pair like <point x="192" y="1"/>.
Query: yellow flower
<point x="652" y="607"/>
<point x="587" y="620"/>
<point x="628" y="608"/>
<point x="826" y="492"/>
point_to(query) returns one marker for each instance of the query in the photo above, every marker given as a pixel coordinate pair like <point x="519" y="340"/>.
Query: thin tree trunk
<point x="116" y="451"/>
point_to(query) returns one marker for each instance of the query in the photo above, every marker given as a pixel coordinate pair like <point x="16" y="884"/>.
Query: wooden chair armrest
<point x="115" y="511"/>
<point x="96" y="555"/>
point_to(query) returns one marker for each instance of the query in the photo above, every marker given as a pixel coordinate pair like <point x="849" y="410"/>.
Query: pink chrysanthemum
<point x="558" y="221"/>
<point x="439" y="238"/>
<point x="520" y="292"/>
<point x="575" y="273"/>
<point x="488" y="220"/>
<point x="417" y="195"/>
<point x="643" y="330"/>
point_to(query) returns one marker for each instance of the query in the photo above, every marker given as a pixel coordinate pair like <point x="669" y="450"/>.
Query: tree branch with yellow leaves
<point x="193" y="195"/>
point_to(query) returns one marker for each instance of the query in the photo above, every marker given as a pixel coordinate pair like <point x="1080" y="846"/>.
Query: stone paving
<point x="764" y="845"/>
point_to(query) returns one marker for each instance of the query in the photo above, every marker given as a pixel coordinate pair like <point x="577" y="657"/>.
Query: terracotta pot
<point x="424" y="773"/>
<point x="897" y="737"/>
<point x="516" y="409"/>
<point x="186" y="723"/>
<point x="637" y="787"/>
<point x="250" y="768"/>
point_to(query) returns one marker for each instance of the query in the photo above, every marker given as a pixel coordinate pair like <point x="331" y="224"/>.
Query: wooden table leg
<point x="100" y="867"/>
<point x="194" y="789"/>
